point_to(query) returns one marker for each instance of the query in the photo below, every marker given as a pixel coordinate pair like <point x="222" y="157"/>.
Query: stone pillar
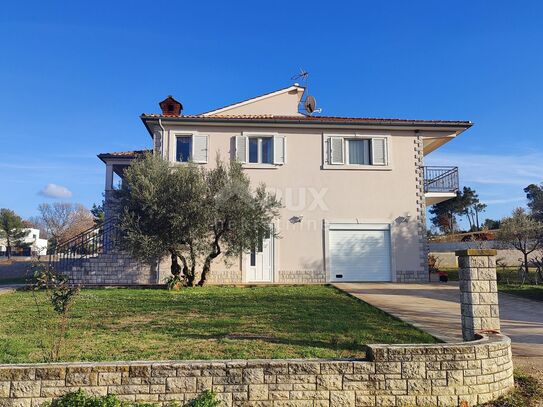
<point x="478" y="292"/>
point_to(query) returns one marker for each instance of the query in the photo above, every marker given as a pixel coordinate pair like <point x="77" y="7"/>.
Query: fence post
<point x="478" y="291"/>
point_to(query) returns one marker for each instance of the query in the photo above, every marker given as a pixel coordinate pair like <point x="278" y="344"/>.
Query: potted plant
<point x="443" y="276"/>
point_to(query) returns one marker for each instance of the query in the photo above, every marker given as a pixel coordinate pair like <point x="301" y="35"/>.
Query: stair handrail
<point x="86" y="231"/>
<point x="89" y="243"/>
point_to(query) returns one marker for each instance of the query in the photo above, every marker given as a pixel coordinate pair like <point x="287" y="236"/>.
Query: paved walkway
<point x="435" y="308"/>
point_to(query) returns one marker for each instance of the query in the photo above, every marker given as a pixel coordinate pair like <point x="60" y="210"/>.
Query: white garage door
<point x="359" y="252"/>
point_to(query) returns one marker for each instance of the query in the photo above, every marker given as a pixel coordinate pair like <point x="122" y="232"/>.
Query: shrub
<point x="206" y="399"/>
<point x="60" y="296"/>
<point x="433" y="264"/>
<point x="82" y="399"/>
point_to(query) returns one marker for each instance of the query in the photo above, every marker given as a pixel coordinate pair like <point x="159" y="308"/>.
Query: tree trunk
<point x="205" y="270"/>
<point x="468" y="215"/>
<point x="189" y="277"/>
<point x="8" y="246"/>
<point x="175" y="267"/>
<point x="192" y="266"/>
<point x="207" y="263"/>
<point x="525" y="268"/>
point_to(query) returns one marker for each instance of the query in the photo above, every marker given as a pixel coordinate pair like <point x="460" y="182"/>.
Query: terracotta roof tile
<point x="309" y="119"/>
<point x="124" y="154"/>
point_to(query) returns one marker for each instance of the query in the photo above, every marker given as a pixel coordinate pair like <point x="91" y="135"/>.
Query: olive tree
<point x="522" y="232"/>
<point x="191" y="214"/>
<point x="239" y="217"/>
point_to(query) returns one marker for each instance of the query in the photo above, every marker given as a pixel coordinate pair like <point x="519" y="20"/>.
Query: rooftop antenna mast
<point x="309" y="103"/>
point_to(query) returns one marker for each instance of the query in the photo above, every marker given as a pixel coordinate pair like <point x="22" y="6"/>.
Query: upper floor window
<point x="183" y="152"/>
<point x="191" y="147"/>
<point x="261" y="150"/>
<point x="357" y="151"/>
<point x="265" y="149"/>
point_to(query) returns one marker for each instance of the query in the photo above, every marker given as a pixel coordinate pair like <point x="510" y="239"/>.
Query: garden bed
<point x="203" y="323"/>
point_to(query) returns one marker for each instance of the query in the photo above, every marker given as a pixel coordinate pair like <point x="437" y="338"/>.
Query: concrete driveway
<point x="435" y="308"/>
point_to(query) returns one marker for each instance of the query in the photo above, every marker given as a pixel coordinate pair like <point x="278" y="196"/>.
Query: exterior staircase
<point x="94" y="258"/>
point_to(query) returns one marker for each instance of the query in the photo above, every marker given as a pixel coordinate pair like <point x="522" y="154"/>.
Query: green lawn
<point x="532" y="292"/>
<point x="508" y="282"/>
<point x="204" y="323"/>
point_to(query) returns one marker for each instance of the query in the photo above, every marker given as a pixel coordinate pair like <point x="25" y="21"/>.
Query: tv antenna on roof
<point x="303" y="75"/>
<point x="310" y="103"/>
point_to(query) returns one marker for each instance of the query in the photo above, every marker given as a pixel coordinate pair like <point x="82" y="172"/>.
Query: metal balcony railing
<point x="441" y="179"/>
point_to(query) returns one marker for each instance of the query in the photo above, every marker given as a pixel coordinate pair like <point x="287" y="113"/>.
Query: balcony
<point x="440" y="184"/>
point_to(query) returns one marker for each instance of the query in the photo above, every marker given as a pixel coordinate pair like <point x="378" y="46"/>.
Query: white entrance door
<point x="260" y="262"/>
<point x="359" y="252"/>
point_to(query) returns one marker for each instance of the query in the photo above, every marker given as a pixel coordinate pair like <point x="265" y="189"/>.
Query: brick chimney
<point x="171" y="107"/>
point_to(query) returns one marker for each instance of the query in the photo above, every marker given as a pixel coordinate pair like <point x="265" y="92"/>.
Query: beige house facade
<point x="354" y="190"/>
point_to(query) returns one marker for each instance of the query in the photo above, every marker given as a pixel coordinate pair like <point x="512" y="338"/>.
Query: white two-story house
<point x="354" y="189"/>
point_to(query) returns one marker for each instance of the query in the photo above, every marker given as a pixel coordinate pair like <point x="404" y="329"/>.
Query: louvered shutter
<point x="336" y="150"/>
<point x="379" y="151"/>
<point x="199" y="148"/>
<point x="242" y="148"/>
<point x="279" y="150"/>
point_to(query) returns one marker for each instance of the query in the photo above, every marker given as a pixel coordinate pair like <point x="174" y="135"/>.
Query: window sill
<point x="261" y="166"/>
<point x="356" y="167"/>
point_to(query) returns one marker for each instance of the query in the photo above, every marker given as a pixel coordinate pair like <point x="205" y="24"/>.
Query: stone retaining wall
<point x="113" y="268"/>
<point x="393" y="375"/>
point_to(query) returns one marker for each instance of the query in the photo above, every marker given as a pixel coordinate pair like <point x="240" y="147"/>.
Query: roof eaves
<point x="123" y="155"/>
<point x="312" y="120"/>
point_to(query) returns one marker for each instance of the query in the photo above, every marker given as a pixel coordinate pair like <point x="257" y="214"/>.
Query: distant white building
<point x="36" y="245"/>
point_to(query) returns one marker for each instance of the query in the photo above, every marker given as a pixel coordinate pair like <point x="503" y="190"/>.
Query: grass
<point x="529" y="291"/>
<point x="508" y="282"/>
<point x="528" y="393"/>
<point x="203" y="323"/>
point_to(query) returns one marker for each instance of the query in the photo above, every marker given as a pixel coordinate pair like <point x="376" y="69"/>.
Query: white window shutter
<point x="337" y="150"/>
<point x="242" y="149"/>
<point x="379" y="151"/>
<point x="279" y="149"/>
<point x="199" y="148"/>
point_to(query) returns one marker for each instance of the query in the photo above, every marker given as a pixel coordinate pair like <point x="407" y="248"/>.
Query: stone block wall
<point x="411" y="276"/>
<point x="222" y="274"/>
<point x="301" y="277"/>
<point x="112" y="268"/>
<point x="393" y="375"/>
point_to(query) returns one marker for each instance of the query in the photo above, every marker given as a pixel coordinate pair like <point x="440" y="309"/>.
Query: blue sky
<point x="74" y="77"/>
